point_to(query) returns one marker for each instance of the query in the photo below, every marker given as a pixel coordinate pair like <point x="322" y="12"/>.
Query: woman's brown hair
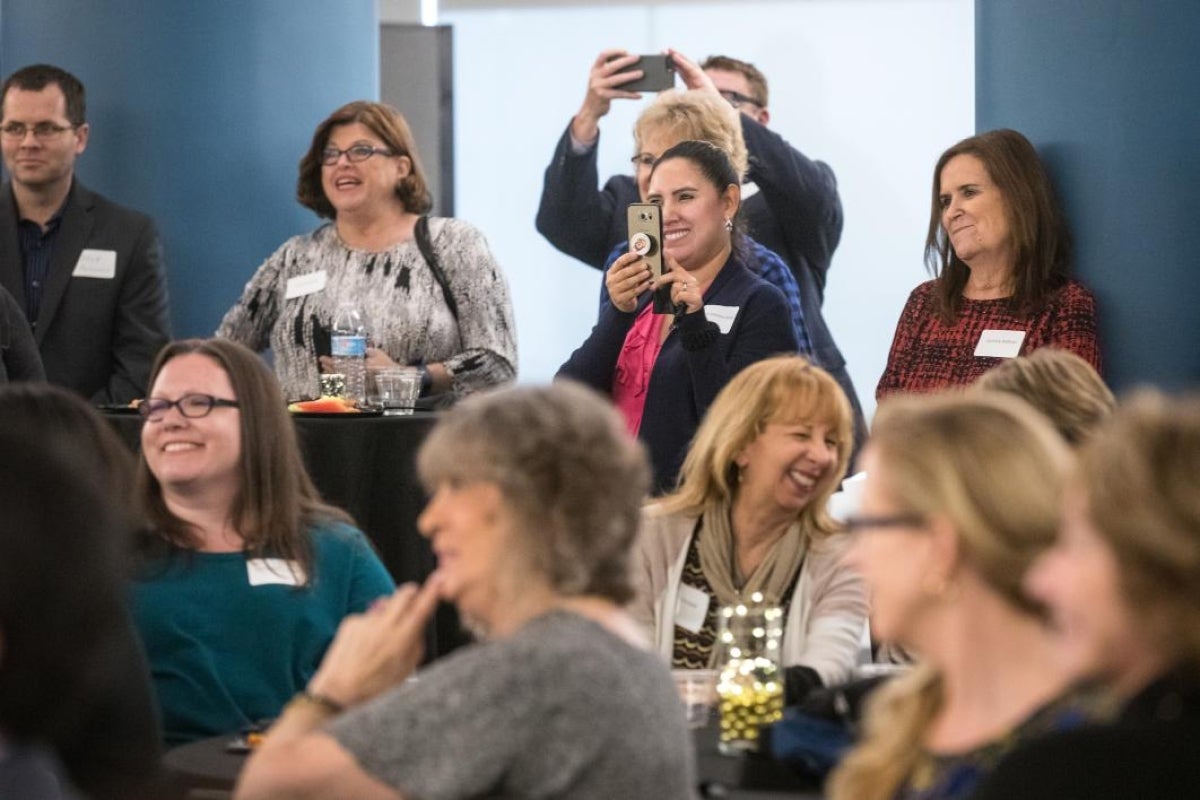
<point x="276" y="500"/>
<point x="1040" y="239"/>
<point x="389" y="125"/>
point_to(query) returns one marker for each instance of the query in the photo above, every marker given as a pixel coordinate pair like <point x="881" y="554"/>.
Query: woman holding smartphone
<point x="663" y="370"/>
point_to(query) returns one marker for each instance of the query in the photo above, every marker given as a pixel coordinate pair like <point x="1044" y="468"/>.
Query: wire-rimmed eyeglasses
<point x="41" y="130"/>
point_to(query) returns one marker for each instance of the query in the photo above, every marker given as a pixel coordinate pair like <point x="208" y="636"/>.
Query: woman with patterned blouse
<point x="452" y="317"/>
<point x="962" y="495"/>
<point x="999" y="246"/>
<point x="749" y="516"/>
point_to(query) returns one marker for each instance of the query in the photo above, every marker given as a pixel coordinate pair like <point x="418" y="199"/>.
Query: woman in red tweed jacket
<point x="999" y="246"/>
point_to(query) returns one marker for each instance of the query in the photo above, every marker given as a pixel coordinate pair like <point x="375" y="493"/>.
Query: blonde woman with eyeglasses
<point x="962" y="494"/>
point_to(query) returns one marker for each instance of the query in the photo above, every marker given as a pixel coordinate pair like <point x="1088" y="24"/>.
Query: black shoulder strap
<point x="425" y="245"/>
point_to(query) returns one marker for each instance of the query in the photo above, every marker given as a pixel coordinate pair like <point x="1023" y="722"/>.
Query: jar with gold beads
<point x="750" y="686"/>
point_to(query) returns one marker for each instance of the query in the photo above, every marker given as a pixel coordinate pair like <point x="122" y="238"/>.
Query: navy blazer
<point x="683" y="382"/>
<point x="796" y="212"/>
<point x="97" y="336"/>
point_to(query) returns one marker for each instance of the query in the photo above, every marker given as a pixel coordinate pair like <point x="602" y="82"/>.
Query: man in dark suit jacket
<point x="86" y="272"/>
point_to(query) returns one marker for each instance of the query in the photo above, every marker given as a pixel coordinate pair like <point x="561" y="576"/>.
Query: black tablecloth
<point x="367" y="466"/>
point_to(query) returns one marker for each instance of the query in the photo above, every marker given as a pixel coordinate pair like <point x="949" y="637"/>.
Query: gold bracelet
<point x="323" y="702"/>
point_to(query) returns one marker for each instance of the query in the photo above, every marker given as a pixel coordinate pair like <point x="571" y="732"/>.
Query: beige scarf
<point x="773" y="577"/>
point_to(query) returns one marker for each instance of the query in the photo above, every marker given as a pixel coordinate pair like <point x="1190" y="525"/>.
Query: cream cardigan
<point x="825" y="622"/>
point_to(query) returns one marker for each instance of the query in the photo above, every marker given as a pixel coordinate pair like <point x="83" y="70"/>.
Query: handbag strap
<point x="425" y="245"/>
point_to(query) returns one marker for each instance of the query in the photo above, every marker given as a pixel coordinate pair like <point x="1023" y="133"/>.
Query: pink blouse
<point x="631" y="378"/>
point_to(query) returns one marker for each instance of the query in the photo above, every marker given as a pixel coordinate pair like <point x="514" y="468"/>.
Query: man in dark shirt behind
<point x="86" y="272"/>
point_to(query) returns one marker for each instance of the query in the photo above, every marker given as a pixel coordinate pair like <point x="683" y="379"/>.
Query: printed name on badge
<point x="96" y="264"/>
<point x="722" y="315"/>
<point x="999" y="344"/>
<point x="280" y="571"/>
<point x="691" y="608"/>
<point x="305" y="284"/>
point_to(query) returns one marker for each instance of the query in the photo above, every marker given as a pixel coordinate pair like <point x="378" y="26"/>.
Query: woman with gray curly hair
<point x="535" y="502"/>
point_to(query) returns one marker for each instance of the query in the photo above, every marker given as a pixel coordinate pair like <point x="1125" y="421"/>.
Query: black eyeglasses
<point x="737" y="99"/>
<point x="192" y="406"/>
<point x="859" y="524"/>
<point x="42" y="130"/>
<point x="642" y="160"/>
<point x="355" y="154"/>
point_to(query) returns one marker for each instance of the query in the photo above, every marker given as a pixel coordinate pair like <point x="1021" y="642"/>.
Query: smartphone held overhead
<point x="658" y="73"/>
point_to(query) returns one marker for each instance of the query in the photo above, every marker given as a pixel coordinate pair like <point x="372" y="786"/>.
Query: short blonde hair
<point x="780" y="389"/>
<point x="1058" y="383"/>
<point x="1141" y="476"/>
<point x="697" y="115"/>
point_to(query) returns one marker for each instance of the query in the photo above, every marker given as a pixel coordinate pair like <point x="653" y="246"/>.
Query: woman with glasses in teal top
<point x="245" y="574"/>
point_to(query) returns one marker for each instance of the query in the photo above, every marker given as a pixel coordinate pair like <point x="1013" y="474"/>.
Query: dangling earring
<point x="729" y="225"/>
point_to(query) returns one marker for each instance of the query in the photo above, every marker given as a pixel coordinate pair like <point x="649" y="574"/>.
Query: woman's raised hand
<point x="685" y="289"/>
<point x="626" y="279"/>
<point x="376" y="650"/>
<point x="601" y="91"/>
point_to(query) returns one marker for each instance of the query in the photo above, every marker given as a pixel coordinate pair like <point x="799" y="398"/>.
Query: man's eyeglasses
<point x="192" y="406"/>
<point x="41" y="131"/>
<point x="859" y="524"/>
<point x="642" y="160"/>
<point x="737" y="99"/>
<point x="355" y="154"/>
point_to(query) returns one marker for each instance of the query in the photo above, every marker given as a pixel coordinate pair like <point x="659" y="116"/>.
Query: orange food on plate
<point x="324" y="405"/>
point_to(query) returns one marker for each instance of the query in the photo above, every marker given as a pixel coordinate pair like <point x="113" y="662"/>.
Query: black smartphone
<point x="658" y="73"/>
<point x="645" y="239"/>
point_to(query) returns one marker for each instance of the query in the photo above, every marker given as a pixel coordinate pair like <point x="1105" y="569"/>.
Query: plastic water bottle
<point x="348" y="346"/>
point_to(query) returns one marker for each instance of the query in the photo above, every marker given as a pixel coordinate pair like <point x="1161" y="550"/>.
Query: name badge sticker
<point x="999" y="344"/>
<point x="691" y="608"/>
<point x="96" y="264"/>
<point x="274" y="571"/>
<point x="305" y="284"/>
<point x="722" y="315"/>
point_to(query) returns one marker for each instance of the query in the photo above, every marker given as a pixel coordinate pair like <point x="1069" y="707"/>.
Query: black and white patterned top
<point x="405" y="307"/>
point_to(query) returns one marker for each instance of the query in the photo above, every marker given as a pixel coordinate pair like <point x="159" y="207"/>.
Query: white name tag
<point x="722" y="315"/>
<point x="749" y="189"/>
<point x="999" y="344"/>
<point x="96" y="264"/>
<point x="305" y="284"/>
<point x="266" y="571"/>
<point x="691" y="608"/>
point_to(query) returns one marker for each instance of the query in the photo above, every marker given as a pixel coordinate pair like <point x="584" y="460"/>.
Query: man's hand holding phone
<point x="604" y="85"/>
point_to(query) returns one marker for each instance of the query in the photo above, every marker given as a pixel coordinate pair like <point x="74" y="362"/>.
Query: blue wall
<point x="199" y="113"/>
<point x="1109" y="91"/>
